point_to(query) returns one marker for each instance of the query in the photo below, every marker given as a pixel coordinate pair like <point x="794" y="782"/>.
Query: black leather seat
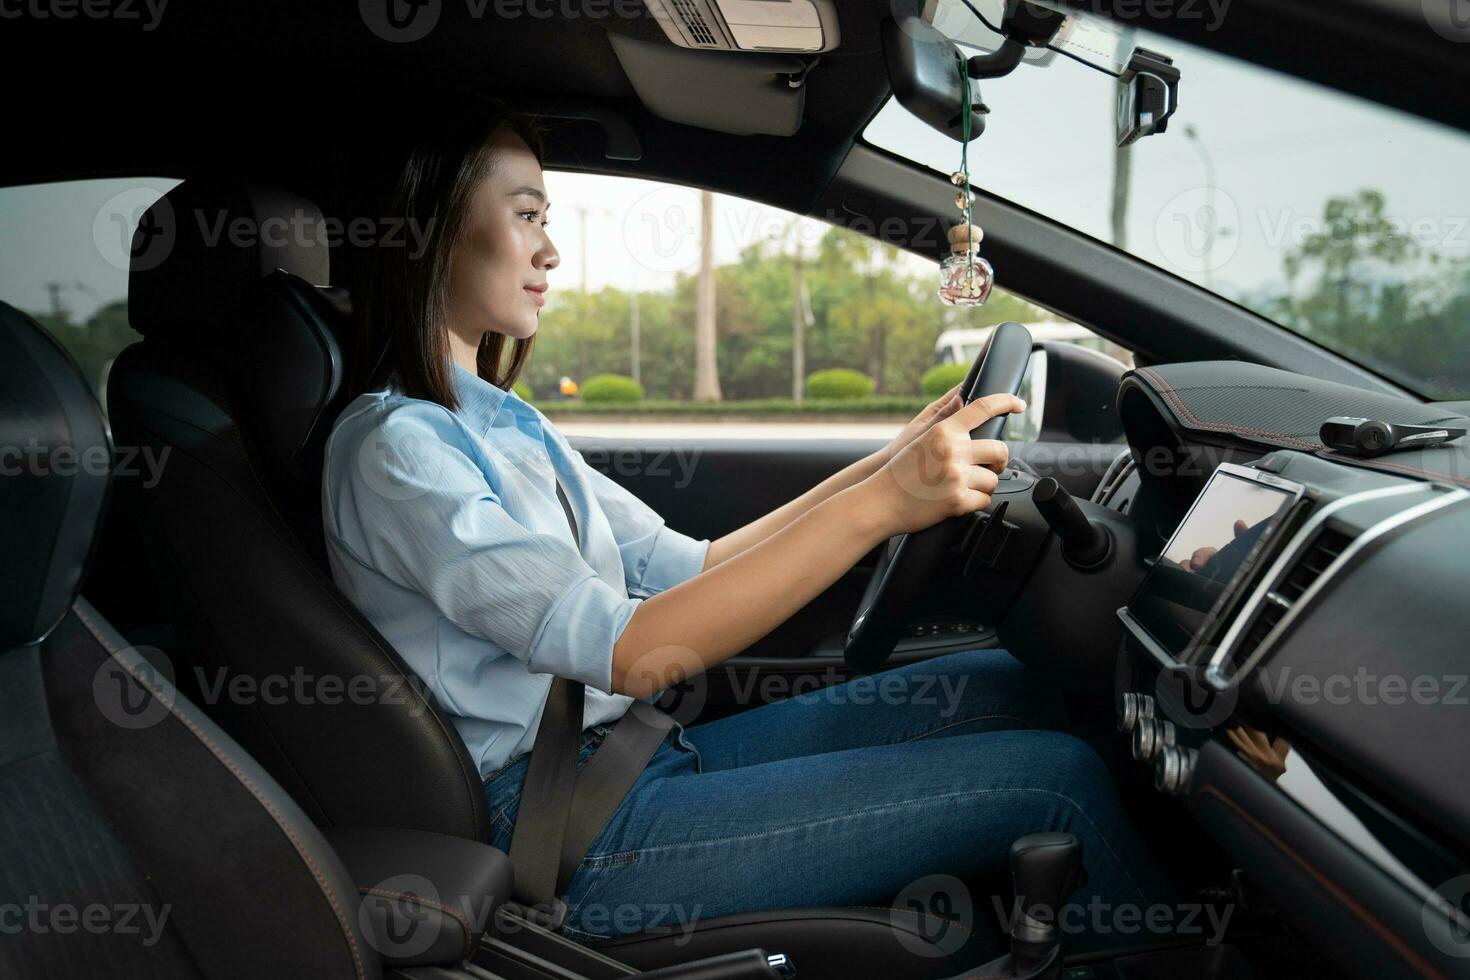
<point x="136" y="838"/>
<point x="239" y="379"/>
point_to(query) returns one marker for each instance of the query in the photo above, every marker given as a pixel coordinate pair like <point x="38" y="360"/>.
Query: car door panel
<point x="708" y="488"/>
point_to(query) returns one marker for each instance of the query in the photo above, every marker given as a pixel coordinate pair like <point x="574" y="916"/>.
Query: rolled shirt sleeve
<point x="430" y="522"/>
<point x="655" y="556"/>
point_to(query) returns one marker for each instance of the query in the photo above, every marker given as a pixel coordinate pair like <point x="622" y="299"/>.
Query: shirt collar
<point x="481" y="402"/>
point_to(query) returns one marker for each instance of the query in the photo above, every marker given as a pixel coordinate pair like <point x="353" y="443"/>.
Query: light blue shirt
<point x="445" y="530"/>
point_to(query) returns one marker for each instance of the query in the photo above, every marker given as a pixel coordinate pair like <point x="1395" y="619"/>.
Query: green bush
<point x="522" y="389"/>
<point x="887" y="405"/>
<point x="939" y="379"/>
<point x="838" y="383"/>
<point x="611" y="388"/>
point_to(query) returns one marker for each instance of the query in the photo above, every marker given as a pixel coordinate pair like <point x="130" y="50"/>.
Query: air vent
<point x="695" y="25"/>
<point x="1310" y="566"/>
<point x="1305" y="571"/>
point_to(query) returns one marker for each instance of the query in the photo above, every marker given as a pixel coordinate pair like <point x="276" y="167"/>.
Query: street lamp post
<point x="1212" y="217"/>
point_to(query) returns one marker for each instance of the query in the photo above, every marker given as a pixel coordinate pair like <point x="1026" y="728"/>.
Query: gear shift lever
<point x="1046" y="868"/>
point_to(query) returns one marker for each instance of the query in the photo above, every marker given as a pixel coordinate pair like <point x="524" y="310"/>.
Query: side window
<point x="66" y="248"/>
<point x="772" y="325"/>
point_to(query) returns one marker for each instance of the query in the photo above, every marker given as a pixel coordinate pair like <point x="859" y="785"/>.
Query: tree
<point x="706" y="371"/>
<point x="1361" y="286"/>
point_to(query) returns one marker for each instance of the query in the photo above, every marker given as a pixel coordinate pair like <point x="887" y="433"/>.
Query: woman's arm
<point x="711" y="617"/>
<point x="762" y="528"/>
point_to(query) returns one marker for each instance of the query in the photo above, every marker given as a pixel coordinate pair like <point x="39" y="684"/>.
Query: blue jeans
<point x="850" y="795"/>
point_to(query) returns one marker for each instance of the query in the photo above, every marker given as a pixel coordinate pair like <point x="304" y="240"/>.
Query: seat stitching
<point x="249" y="785"/>
<point x="457" y="914"/>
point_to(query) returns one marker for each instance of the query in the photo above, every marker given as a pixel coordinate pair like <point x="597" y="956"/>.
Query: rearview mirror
<point x="1148" y="94"/>
<point x="924" y="70"/>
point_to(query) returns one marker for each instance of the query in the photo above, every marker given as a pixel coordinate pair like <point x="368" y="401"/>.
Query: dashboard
<point x="1327" y="605"/>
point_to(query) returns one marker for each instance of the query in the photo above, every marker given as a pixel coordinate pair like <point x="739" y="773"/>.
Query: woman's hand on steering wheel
<point x="943" y="472"/>
<point x="938" y="410"/>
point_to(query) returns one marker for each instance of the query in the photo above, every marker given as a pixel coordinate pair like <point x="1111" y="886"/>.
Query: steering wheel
<point x="910" y="560"/>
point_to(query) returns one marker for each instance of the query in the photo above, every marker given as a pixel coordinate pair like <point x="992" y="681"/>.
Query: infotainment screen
<point x="1231" y="524"/>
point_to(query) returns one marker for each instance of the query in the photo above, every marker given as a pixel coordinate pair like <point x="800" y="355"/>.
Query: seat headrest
<point x="201" y="247"/>
<point x="55" y="464"/>
<point x="288" y="374"/>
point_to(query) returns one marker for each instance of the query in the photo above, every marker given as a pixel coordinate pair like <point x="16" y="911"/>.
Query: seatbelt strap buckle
<point x="550" y="916"/>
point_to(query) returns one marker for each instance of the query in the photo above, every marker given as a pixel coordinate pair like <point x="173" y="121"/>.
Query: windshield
<point x="1337" y="218"/>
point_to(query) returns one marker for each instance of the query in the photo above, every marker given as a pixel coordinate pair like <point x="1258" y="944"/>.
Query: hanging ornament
<point x="965" y="278"/>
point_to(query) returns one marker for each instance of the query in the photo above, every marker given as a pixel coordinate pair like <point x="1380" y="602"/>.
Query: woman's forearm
<point x="732" y="544"/>
<point x="701" y="622"/>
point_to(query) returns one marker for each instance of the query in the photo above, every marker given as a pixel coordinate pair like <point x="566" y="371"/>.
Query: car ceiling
<point x="306" y="95"/>
<point x="267" y="86"/>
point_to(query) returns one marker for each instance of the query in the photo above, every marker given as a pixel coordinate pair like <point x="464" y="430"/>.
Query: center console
<point x="1288" y="606"/>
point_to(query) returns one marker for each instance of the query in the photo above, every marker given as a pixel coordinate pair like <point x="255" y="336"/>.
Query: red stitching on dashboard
<point x="1346" y="900"/>
<point x="1176" y="399"/>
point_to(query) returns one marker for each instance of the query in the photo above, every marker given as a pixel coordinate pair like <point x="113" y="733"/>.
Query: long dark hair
<point x="402" y="299"/>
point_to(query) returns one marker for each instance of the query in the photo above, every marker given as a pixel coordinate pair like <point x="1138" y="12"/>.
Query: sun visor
<point x="730" y="92"/>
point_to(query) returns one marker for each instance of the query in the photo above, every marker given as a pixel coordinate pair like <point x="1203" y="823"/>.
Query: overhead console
<point x="793" y="26"/>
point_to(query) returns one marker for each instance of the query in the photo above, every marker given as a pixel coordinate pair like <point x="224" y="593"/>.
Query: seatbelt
<point x="562" y="810"/>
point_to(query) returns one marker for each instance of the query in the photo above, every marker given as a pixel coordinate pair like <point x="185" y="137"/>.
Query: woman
<point x="444" y="525"/>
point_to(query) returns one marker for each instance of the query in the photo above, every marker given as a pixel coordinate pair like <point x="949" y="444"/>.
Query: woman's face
<point x="498" y="276"/>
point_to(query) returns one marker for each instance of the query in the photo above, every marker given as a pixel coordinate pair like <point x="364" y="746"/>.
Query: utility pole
<point x="799" y="313"/>
<point x="53" y="289"/>
<point x="706" y="372"/>
<point x="634" y="330"/>
<point x="1211" y="216"/>
<point x="1122" y="188"/>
